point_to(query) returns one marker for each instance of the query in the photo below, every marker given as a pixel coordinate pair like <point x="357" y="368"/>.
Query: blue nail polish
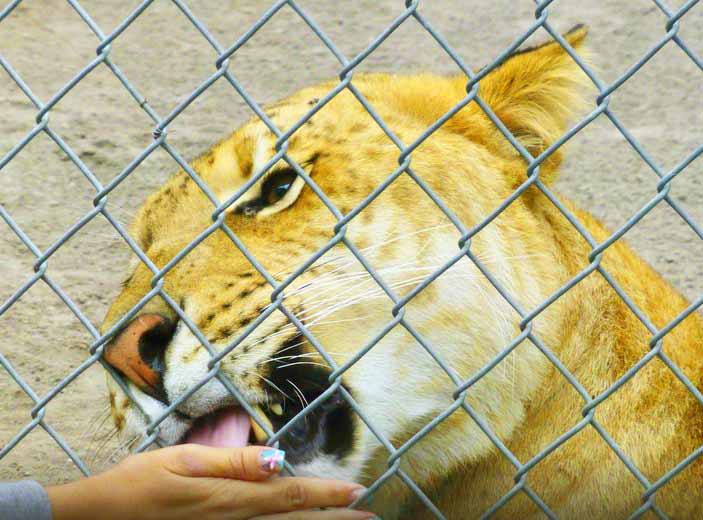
<point x="272" y="460"/>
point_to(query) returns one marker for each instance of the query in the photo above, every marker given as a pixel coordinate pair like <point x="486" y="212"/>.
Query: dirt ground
<point x="166" y="59"/>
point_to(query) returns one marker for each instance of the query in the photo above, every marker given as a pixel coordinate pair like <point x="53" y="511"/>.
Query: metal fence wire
<point x="410" y="12"/>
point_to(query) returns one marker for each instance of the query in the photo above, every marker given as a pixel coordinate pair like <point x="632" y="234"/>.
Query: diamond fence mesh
<point x="410" y="12"/>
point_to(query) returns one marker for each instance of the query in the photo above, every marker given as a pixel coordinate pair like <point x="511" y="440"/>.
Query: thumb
<point x="250" y="463"/>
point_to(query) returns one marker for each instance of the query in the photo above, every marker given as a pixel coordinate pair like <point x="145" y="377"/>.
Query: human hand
<point x="192" y="481"/>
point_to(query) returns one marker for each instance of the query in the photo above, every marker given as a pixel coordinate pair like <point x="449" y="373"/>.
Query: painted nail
<point x="272" y="460"/>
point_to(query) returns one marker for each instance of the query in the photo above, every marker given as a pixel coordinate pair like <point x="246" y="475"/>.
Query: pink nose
<point x="138" y="352"/>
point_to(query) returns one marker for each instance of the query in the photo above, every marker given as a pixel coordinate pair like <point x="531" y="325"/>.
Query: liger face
<point x="281" y="222"/>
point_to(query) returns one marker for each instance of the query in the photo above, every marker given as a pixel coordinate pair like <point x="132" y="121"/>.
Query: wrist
<point x="84" y="499"/>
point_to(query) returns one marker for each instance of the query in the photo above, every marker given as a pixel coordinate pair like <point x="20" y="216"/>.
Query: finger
<point x="286" y="494"/>
<point x="330" y="514"/>
<point x="251" y="463"/>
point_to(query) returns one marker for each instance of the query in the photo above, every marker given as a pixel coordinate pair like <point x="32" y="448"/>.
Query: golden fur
<point x="530" y="248"/>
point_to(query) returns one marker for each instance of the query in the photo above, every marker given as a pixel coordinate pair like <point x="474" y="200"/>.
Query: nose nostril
<point x="138" y="352"/>
<point x="153" y="343"/>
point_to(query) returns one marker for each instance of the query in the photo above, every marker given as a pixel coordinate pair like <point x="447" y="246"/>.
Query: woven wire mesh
<point x="410" y="12"/>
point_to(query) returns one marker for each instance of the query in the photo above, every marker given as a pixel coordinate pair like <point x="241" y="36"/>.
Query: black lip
<point x="326" y="429"/>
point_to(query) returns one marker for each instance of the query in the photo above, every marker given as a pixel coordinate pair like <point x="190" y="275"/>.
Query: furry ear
<point x="535" y="92"/>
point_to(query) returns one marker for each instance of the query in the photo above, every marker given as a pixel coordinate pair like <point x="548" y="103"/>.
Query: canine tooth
<point x="259" y="432"/>
<point x="277" y="409"/>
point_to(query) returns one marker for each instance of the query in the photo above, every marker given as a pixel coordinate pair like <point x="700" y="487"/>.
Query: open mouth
<point x="327" y="429"/>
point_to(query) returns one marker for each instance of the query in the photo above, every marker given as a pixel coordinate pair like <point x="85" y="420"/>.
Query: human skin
<point x="192" y="481"/>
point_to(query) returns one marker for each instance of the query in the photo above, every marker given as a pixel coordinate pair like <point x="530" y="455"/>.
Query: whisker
<point x="306" y="354"/>
<point x="96" y="423"/>
<point x="272" y="384"/>
<point x="109" y="437"/>
<point x="367" y="251"/>
<point x="304" y="363"/>
<point x="121" y="447"/>
<point x="301" y="396"/>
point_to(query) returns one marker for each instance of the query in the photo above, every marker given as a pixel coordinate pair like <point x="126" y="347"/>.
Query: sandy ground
<point x="166" y="58"/>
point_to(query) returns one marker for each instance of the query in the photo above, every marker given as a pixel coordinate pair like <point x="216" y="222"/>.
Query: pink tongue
<point x="226" y="428"/>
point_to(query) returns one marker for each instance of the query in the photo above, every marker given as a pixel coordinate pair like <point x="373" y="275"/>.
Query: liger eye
<point x="276" y="186"/>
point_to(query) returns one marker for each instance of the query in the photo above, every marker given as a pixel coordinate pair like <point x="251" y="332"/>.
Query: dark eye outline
<point x="277" y="185"/>
<point x="274" y="188"/>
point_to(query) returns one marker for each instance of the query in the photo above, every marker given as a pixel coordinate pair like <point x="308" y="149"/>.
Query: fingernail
<point x="272" y="460"/>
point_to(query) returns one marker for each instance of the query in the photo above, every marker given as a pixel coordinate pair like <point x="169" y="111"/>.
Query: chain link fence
<point x="410" y="12"/>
